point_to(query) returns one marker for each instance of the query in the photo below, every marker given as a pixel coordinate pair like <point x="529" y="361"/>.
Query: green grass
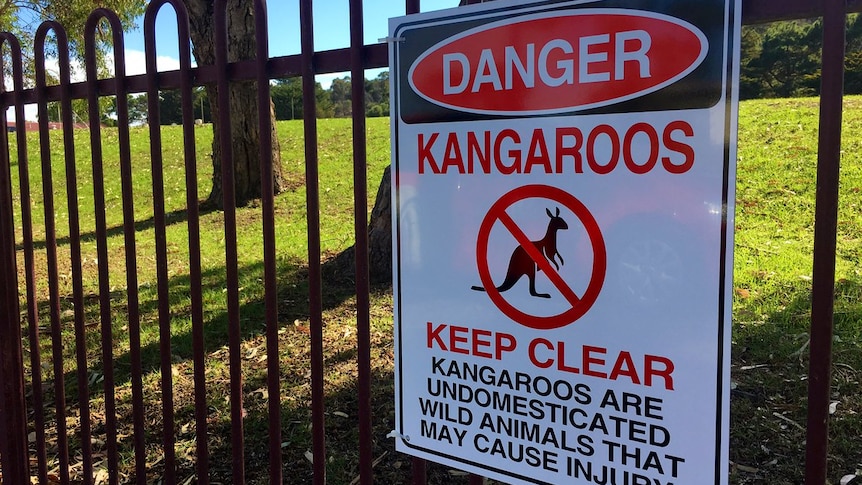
<point x="772" y="281"/>
<point x="336" y="199"/>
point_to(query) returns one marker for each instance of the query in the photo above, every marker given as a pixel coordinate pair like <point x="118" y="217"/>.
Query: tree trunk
<point x="342" y="267"/>
<point x="245" y="132"/>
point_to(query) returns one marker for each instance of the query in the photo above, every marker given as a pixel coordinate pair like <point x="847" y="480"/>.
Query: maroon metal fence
<point x="18" y="416"/>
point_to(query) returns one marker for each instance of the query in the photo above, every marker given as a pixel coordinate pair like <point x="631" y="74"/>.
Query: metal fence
<point x="23" y="401"/>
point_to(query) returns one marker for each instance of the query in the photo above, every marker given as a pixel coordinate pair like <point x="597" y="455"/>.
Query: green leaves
<point x="782" y="59"/>
<point x="23" y="17"/>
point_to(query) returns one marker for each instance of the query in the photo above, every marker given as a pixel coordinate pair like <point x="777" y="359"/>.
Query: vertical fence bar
<point x="159" y="227"/>
<point x="229" y="202"/>
<point x="419" y="471"/>
<point x="75" y="243"/>
<point x="360" y="221"/>
<point x="192" y="211"/>
<point x="420" y="474"/>
<point x="29" y="271"/>
<point x="51" y="253"/>
<point x="82" y="372"/>
<point x="267" y="191"/>
<point x="193" y="216"/>
<point x="825" y="236"/>
<point x="14" y="457"/>
<point x="101" y="242"/>
<point x="312" y="191"/>
<point x="134" y="315"/>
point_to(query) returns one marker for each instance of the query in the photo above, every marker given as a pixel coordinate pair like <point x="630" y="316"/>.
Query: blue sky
<point x="331" y="29"/>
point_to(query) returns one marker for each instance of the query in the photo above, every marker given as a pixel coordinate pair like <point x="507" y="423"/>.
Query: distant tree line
<point x="333" y="102"/>
<point x="286" y="96"/>
<point x="782" y="59"/>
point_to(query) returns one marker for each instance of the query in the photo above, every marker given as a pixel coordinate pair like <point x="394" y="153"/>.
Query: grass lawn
<point x="772" y="282"/>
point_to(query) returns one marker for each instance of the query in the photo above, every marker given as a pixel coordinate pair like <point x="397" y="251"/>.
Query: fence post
<point x="825" y="236"/>
<point x="13" y="421"/>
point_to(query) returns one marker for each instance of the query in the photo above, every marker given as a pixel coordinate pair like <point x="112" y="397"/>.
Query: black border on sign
<point x="730" y="17"/>
<point x="722" y="281"/>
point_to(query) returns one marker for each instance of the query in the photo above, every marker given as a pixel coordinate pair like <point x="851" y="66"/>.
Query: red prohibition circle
<point x="580" y="305"/>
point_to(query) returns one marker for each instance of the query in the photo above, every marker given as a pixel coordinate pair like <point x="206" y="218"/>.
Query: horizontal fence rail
<point x="41" y="389"/>
<point x="374" y="56"/>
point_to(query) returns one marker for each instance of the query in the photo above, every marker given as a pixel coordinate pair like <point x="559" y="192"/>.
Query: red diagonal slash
<point x="579" y="304"/>
<point x="539" y="258"/>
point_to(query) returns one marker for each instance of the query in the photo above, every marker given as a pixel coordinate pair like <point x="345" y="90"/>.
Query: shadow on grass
<point x="342" y="438"/>
<point x="171" y="218"/>
<point x="769" y="400"/>
<point x="294" y="345"/>
<point x="292" y="301"/>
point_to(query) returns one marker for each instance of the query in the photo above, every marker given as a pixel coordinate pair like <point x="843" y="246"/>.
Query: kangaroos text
<point x="640" y="148"/>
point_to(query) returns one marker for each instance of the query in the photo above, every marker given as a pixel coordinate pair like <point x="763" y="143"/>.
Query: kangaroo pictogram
<point x="521" y="263"/>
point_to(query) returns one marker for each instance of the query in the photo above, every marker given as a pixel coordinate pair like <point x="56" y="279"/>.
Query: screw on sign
<point x="530" y="257"/>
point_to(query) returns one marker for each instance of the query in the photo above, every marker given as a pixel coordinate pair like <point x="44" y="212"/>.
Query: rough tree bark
<point x="245" y="132"/>
<point x="379" y="232"/>
<point x="342" y="267"/>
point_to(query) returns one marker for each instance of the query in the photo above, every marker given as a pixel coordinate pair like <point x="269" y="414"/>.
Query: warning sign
<point x="563" y="177"/>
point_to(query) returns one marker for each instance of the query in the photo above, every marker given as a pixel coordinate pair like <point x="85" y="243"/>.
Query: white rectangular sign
<point x="563" y="187"/>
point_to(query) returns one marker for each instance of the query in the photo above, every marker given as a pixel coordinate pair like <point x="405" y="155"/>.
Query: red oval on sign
<point x="558" y="61"/>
